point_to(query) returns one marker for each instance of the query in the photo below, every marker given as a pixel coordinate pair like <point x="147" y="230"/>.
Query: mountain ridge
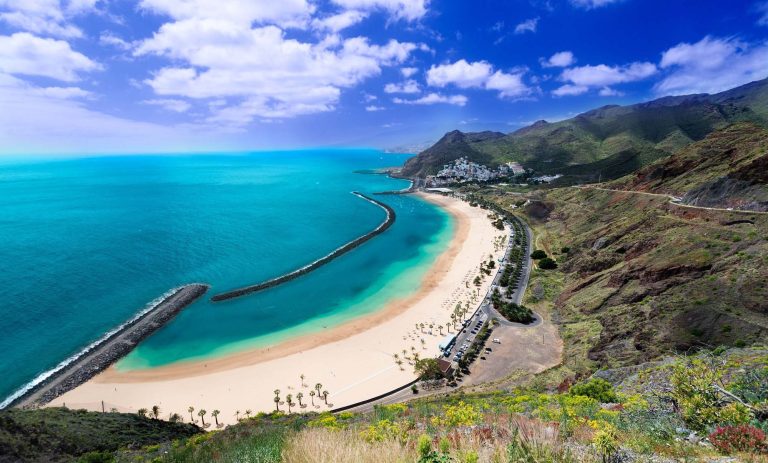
<point x="606" y="142"/>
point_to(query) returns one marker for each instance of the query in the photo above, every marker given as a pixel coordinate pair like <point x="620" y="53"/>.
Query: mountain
<point x="729" y="168"/>
<point x="604" y="143"/>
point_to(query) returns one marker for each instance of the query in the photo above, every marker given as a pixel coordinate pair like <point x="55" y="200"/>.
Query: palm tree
<point x="440" y="329"/>
<point x="318" y="387"/>
<point x="400" y="364"/>
<point x="248" y="412"/>
<point x="201" y="413"/>
<point x="325" y="397"/>
<point x="277" y="403"/>
<point x="237" y="415"/>
<point x="277" y="392"/>
<point x="175" y="418"/>
<point x="300" y="396"/>
<point x="142" y="412"/>
<point x="156" y="411"/>
<point x="215" y="415"/>
<point x="312" y="397"/>
<point x="191" y="418"/>
<point x="289" y="401"/>
<point x="421" y="325"/>
<point x="405" y="352"/>
<point x="302" y="379"/>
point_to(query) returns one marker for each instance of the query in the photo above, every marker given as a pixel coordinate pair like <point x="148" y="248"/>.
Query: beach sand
<point x="353" y="361"/>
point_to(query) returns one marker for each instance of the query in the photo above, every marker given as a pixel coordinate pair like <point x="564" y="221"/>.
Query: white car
<point x="497" y="340"/>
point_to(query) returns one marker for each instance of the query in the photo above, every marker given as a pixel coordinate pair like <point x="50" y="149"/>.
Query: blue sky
<point x="117" y="76"/>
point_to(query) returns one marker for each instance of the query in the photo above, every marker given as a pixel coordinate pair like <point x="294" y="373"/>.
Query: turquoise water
<point x="87" y="243"/>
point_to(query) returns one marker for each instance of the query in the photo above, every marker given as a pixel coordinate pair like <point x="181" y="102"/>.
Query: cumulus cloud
<point x="608" y="91"/>
<point x="25" y="54"/>
<point x="408" y="72"/>
<point x="712" y="65"/>
<point x="274" y="77"/>
<point x="570" y="90"/>
<point x="409" y="86"/>
<point x="527" y="26"/>
<point x="339" y="21"/>
<point x="479" y="74"/>
<point x="374" y="108"/>
<point x="561" y="59"/>
<point x="603" y="75"/>
<point x="169" y="104"/>
<point x="591" y="4"/>
<point x="110" y="39"/>
<point x="435" y="98"/>
<point x="408" y="10"/>
<point x="285" y="13"/>
<point x="461" y="74"/>
<point x="50" y="17"/>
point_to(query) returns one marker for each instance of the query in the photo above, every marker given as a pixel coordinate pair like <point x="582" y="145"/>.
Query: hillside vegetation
<point x="604" y="143"/>
<point x="729" y="168"/>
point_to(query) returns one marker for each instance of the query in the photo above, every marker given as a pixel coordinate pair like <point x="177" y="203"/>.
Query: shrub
<point x="547" y="264"/>
<point x="606" y="441"/>
<point x="565" y="250"/>
<point x="538" y="254"/>
<point x="699" y="402"/>
<point x="596" y="388"/>
<point x="741" y="438"/>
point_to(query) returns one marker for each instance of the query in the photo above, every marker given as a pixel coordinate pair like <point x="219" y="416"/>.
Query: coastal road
<point x="483" y="313"/>
<point x="673" y="200"/>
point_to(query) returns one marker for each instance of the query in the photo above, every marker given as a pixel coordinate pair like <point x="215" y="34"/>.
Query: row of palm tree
<point x="317" y="391"/>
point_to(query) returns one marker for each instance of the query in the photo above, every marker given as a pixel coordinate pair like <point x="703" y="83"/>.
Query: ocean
<point x="87" y="243"/>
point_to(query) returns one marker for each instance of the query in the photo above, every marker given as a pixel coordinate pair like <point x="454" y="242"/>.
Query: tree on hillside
<point x="547" y="264"/>
<point x="538" y="254"/>
<point x="300" y="396"/>
<point x="325" y="397"/>
<point x="289" y="401"/>
<point x="191" y="418"/>
<point x="277" y="403"/>
<point x="427" y="369"/>
<point x="156" y="412"/>
<point x="312" y="393"/>
<point x="201" y="413"/>
<point x="215" y="415"/>
<point x="142" y="412"/>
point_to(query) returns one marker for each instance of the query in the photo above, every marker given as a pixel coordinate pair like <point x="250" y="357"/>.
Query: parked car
<point x="497" y="340"/>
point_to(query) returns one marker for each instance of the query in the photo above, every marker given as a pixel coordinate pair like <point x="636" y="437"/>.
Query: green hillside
<point x="729" y="168"/>
<point x="604" y="143"/>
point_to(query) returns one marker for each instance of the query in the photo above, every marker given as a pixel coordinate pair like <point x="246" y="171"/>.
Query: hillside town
<point x="463" y="170"/>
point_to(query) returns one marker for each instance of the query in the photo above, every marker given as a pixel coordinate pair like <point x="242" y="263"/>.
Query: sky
<point x="160" y="76"/>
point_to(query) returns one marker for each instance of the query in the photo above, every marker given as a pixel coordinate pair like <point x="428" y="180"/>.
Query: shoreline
<point x="354" y="360"/>
<point x="104" y="352"/>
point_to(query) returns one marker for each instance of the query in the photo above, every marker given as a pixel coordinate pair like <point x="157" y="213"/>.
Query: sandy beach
<point x="353" y="361"/>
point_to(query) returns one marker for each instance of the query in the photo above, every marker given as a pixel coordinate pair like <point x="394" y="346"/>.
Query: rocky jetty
<point x="110" y="349"/>
<point x="319" y="262"/>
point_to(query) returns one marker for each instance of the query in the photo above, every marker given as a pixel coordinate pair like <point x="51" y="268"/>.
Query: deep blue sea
<point x="87" y="243"/>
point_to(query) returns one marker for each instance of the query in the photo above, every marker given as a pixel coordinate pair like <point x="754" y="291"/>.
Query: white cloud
<point x="591" y="4"/>
<point x="712" y="65"/>
<point x="408" y="72"/>
<point x="603" y="75"/>
<point x="286" y="13"/>
<point x="508" y="85"/>
<point x="408" y="10"/>
<point x="561" y="59"/>
<point x="109" y="39"/>
<point x="409" y="86"/>
<point x="461" y="74"/>
<point x="269" y="75"/>
<point x="51" y="17"/>
<point x="527" y="26"/>
<point x="374" y="108"/>
<point x="23" y="53"/>
<point x="608" y="91"/>
<point x="339" y="21"/>
<point x="479" y="74"/>
<point x="169" y="104"/>
<point x="570" y="90"/>
<point x="435" y="98"/>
